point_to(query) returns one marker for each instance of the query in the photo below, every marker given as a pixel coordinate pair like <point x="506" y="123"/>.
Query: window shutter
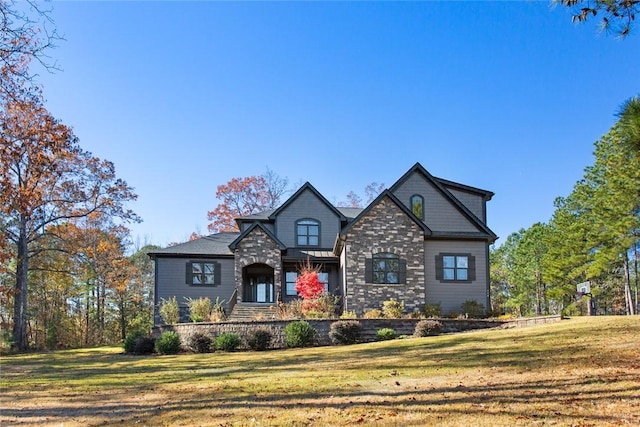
<point x="472" y="268"/>
<point x="368" y="270"/>
<point x="439" y="267"/>
<point x="402" y="271"/>
<point x="189" y="277"/>
<point x="217" y="274"/>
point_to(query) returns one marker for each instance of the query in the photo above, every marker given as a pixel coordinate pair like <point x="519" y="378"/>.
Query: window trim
<point x="421" y="199"/>
<point x="190" y="273"/>
<point x="471" y="267"/>
<point x="298" y="223"/>
<point x="401" y="273"/>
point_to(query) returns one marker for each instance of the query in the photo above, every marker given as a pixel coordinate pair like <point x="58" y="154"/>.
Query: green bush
<point x="200" y="343"/>
<point x="473" y="309"/>
<point x="345" y="332"/>
<point x="170" y="311"/>
<point x="129" y="342"/>
<point x="144" y="345"/>
<point x="259" y="339"/>
<point x="227" y="342"/>
<point x="386" y="334"/>
<point x="199" y="309"/>
<point x="433" y="309"/>
<point x="299" y="333"/>
<point x="424" y="328"/>
<point x="168" y="343"/>
<point x="392" y="309"/>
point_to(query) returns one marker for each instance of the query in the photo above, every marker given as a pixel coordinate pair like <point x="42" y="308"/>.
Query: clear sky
<point x="183" y="96"/>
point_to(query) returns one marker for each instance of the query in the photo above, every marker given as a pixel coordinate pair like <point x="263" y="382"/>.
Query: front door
<point x="258" y="289"/>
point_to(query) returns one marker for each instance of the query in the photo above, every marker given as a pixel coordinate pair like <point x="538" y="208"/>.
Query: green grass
<point x="579" y="372"/>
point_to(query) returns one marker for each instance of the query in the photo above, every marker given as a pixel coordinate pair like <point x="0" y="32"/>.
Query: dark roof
<point x="258" y="216"/>
<point x="212" y="245"/>
<point x="232" y="245"/>
<point x="486" y="194"/>
<point x="315" y="255"/>
<point x="307" y="186"/>
<point x="490" y="235"/>
<point x="350" y="213"/>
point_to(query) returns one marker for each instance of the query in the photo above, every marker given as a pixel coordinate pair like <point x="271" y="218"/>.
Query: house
<point x="424" y="240"/>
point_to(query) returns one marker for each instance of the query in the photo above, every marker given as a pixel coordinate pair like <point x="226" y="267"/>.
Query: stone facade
<point x="257" y="248"/>
<point x="385" y="228"/>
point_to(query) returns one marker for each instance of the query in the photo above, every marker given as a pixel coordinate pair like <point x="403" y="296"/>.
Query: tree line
<point x="593" y="235"/>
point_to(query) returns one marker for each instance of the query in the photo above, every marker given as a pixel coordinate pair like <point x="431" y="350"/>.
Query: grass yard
<point x="578" y="372"/>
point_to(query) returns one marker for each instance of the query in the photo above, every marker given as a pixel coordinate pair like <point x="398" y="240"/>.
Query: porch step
<point x="245" y="312"/>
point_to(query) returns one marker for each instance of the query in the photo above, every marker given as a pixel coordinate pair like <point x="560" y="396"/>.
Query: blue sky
<point x="183" y="96"/>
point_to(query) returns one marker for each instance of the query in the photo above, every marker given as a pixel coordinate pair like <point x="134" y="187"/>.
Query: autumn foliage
<point x="308" y="284"/>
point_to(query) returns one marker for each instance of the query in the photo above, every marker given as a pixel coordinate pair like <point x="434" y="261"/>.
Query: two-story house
<point x="423" y="240"/>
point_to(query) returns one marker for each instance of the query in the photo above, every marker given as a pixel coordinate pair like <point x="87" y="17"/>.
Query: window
<point x="203" y="273"/>
<point x="290" y="282"/>
<point x="455" y="268"/>
<point x="308" y="232"/>
<point x="417" y="205"/>
<point x="385" y="268"/>
<point x="290" y="279"/>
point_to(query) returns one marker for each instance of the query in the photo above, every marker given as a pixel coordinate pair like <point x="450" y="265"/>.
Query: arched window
<point x="308" y="232"/>
<point x="417" y="205"/>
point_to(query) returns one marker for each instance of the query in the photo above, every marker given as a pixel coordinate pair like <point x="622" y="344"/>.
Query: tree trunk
<point x="627" y="287"/>
<point x="20" y="297"/>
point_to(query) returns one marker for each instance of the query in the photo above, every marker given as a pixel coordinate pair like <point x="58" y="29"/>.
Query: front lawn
<point x="582" y="371"/>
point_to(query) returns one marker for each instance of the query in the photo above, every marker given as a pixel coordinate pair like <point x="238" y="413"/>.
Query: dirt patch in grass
<point x="579" y="372"/>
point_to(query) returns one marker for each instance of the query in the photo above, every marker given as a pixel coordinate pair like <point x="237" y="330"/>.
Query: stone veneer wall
<point x="257" y="248"/>
<point x="386" y="228"/>
<point x="370" y="327"/>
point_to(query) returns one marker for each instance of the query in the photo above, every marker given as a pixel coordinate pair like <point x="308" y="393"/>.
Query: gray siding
<point x="307" y="205"/>
<point x="171" y="280"/>
<point x="473" y="202"/>
<point x="266" y="225"/>
<point x="452" y="295"/>
<point x="440" y="214"/>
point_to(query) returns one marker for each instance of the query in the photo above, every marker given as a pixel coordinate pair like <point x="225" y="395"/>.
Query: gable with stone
<point x="424" y="240"/>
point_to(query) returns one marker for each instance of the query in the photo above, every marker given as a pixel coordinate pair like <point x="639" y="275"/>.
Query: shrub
<point x="199" y="309"/>
<point x="290" y="310"/>
<point x="322" y="307"/>
<point x="374" y="313"/>
<point x="424" y="328"/>
<point x="345" y="332"/>
<point x="129" y="342"/>
<point x="168" y="343"/>
<point x="473" y="309"/>
<point x="392" y="309"/>
<point x="200" y="343"/>
<point x="386" y="334"/>
<point x="170" y="311"/>
<point x="143" y="345"/>
<point x="227" y="341"/>
<point x="217" y="311"/>
<point x="259" y="339"/>
<point x="299" y="333"/>
<point x="348" y="315"/>
<point x="433" y="309"/>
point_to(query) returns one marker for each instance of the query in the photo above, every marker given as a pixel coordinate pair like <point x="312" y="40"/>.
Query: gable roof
<point x="245" y="233"/>
<point x="212" y="245"/>
<point x="440" y="187"/>
<point x="486" y="194"/>
<point x="307" y="186"/>
<point x="394" y="199"/>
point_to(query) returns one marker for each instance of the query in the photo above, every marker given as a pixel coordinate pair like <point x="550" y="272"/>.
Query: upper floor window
<point x="203" y="273"/>
<point x="417" y="205"/>
<point x="308" y="232"/>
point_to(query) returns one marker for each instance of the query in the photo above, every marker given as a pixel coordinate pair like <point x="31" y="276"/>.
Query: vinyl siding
<point x="473" y="202"/>
<point x="307" y="205"/>
<point x="440" y="213"/>
<point x="171" y="280"/>
<point x="452" y="295"/>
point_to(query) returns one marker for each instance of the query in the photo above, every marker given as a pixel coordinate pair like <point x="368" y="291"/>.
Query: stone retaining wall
<point x="370" y="327"/>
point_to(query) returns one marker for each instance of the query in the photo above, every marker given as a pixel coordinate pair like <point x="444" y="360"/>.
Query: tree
<point x="617" y="15"/>
<point x="371" y="191"/>
<point x="24" y="36"/>
<point x="245" y="196"/>
<point x="629" y="116"/>
<point x="47" y="179"/>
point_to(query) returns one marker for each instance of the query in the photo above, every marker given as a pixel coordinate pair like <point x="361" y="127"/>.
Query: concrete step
<point x="246" y="312"/>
